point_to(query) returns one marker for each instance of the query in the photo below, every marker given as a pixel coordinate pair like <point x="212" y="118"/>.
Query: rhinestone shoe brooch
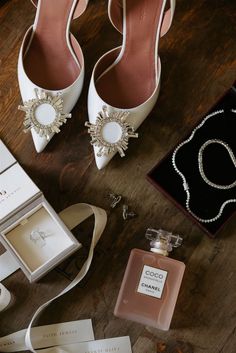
<point x="99" y="132"/>
<point x="44" y="107"/>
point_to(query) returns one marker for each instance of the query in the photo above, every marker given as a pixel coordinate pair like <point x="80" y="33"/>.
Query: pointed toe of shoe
<point x="39" y="142"/>
<point x="99" y="163"/>
<point x="102" y="161"/>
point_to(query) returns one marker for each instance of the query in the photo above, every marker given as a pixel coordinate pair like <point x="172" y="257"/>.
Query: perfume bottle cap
<point x="162" y="241"/>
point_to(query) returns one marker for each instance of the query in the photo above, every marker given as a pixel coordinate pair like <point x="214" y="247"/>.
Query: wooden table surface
<point x="198" y="66"/>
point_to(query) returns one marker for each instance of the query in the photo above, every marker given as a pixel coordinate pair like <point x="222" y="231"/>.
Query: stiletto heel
<point x="125" y="81"/>
<point x="50" y="69"/>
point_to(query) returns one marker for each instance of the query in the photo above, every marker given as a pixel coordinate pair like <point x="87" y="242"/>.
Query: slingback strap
<point x="79" y="10"/>
<point x="115" y="12"/>
<point x="168" y="18"/>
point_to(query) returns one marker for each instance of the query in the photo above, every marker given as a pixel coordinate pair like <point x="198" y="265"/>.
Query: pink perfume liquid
<point x="149" y="289"/>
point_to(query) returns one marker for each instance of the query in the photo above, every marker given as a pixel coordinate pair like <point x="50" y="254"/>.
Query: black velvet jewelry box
<point x="205" y="200"/>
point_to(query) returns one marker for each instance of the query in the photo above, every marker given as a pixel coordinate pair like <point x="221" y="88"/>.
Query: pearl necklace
<point x="185" y="184"/>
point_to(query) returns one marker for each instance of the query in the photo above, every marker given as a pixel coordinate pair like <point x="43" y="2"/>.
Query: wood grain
<point x="198" y="66"/>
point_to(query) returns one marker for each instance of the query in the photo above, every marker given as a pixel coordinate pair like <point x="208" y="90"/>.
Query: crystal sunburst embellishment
<point x="106" y="145"/>
<point x="32" y="118"/>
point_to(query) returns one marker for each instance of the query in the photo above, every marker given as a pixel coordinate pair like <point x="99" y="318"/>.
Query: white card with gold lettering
<point x="110" y="345"/>
<point x="50" y="335"/>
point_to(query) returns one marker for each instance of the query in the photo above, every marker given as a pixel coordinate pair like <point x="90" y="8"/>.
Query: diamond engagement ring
<point x="38" y="237"/>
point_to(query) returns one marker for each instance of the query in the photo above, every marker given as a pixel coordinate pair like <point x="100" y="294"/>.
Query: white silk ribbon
<point x="8" y="265"/>
<point x="5" y="297"/>
<point x="71" y="216"/>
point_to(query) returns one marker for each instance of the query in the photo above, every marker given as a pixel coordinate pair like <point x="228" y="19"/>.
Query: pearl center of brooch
<point x="112" y="132"/>
<point x="45" y="114"/>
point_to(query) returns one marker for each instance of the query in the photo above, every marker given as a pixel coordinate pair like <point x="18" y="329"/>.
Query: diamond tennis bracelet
<point x="185" y="184"/>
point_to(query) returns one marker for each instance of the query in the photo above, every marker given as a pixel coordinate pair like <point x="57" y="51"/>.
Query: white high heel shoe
<point x="125" y="82"/>
<point x="50" y="69"/>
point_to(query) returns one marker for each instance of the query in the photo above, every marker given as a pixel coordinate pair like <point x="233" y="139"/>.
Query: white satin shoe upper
<point x="135" y="116"/>
<point x="37" y="100"/>
<point x="112" y="132"/>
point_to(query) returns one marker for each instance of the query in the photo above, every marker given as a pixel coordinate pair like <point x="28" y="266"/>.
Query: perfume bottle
<point x="151" y="282"/>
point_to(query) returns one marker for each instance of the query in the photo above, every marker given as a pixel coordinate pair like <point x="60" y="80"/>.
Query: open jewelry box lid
<point x="30" y="229"/>
<point x="16" y="188"/>
<point x="6" y="158"/>
<point x="205" y="201"/>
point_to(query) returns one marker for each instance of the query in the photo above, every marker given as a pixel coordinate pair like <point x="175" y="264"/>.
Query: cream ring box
<point x="29" y="227"/>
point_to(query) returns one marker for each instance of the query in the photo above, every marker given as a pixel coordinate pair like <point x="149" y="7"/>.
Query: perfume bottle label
<point x="152" y="281"/>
